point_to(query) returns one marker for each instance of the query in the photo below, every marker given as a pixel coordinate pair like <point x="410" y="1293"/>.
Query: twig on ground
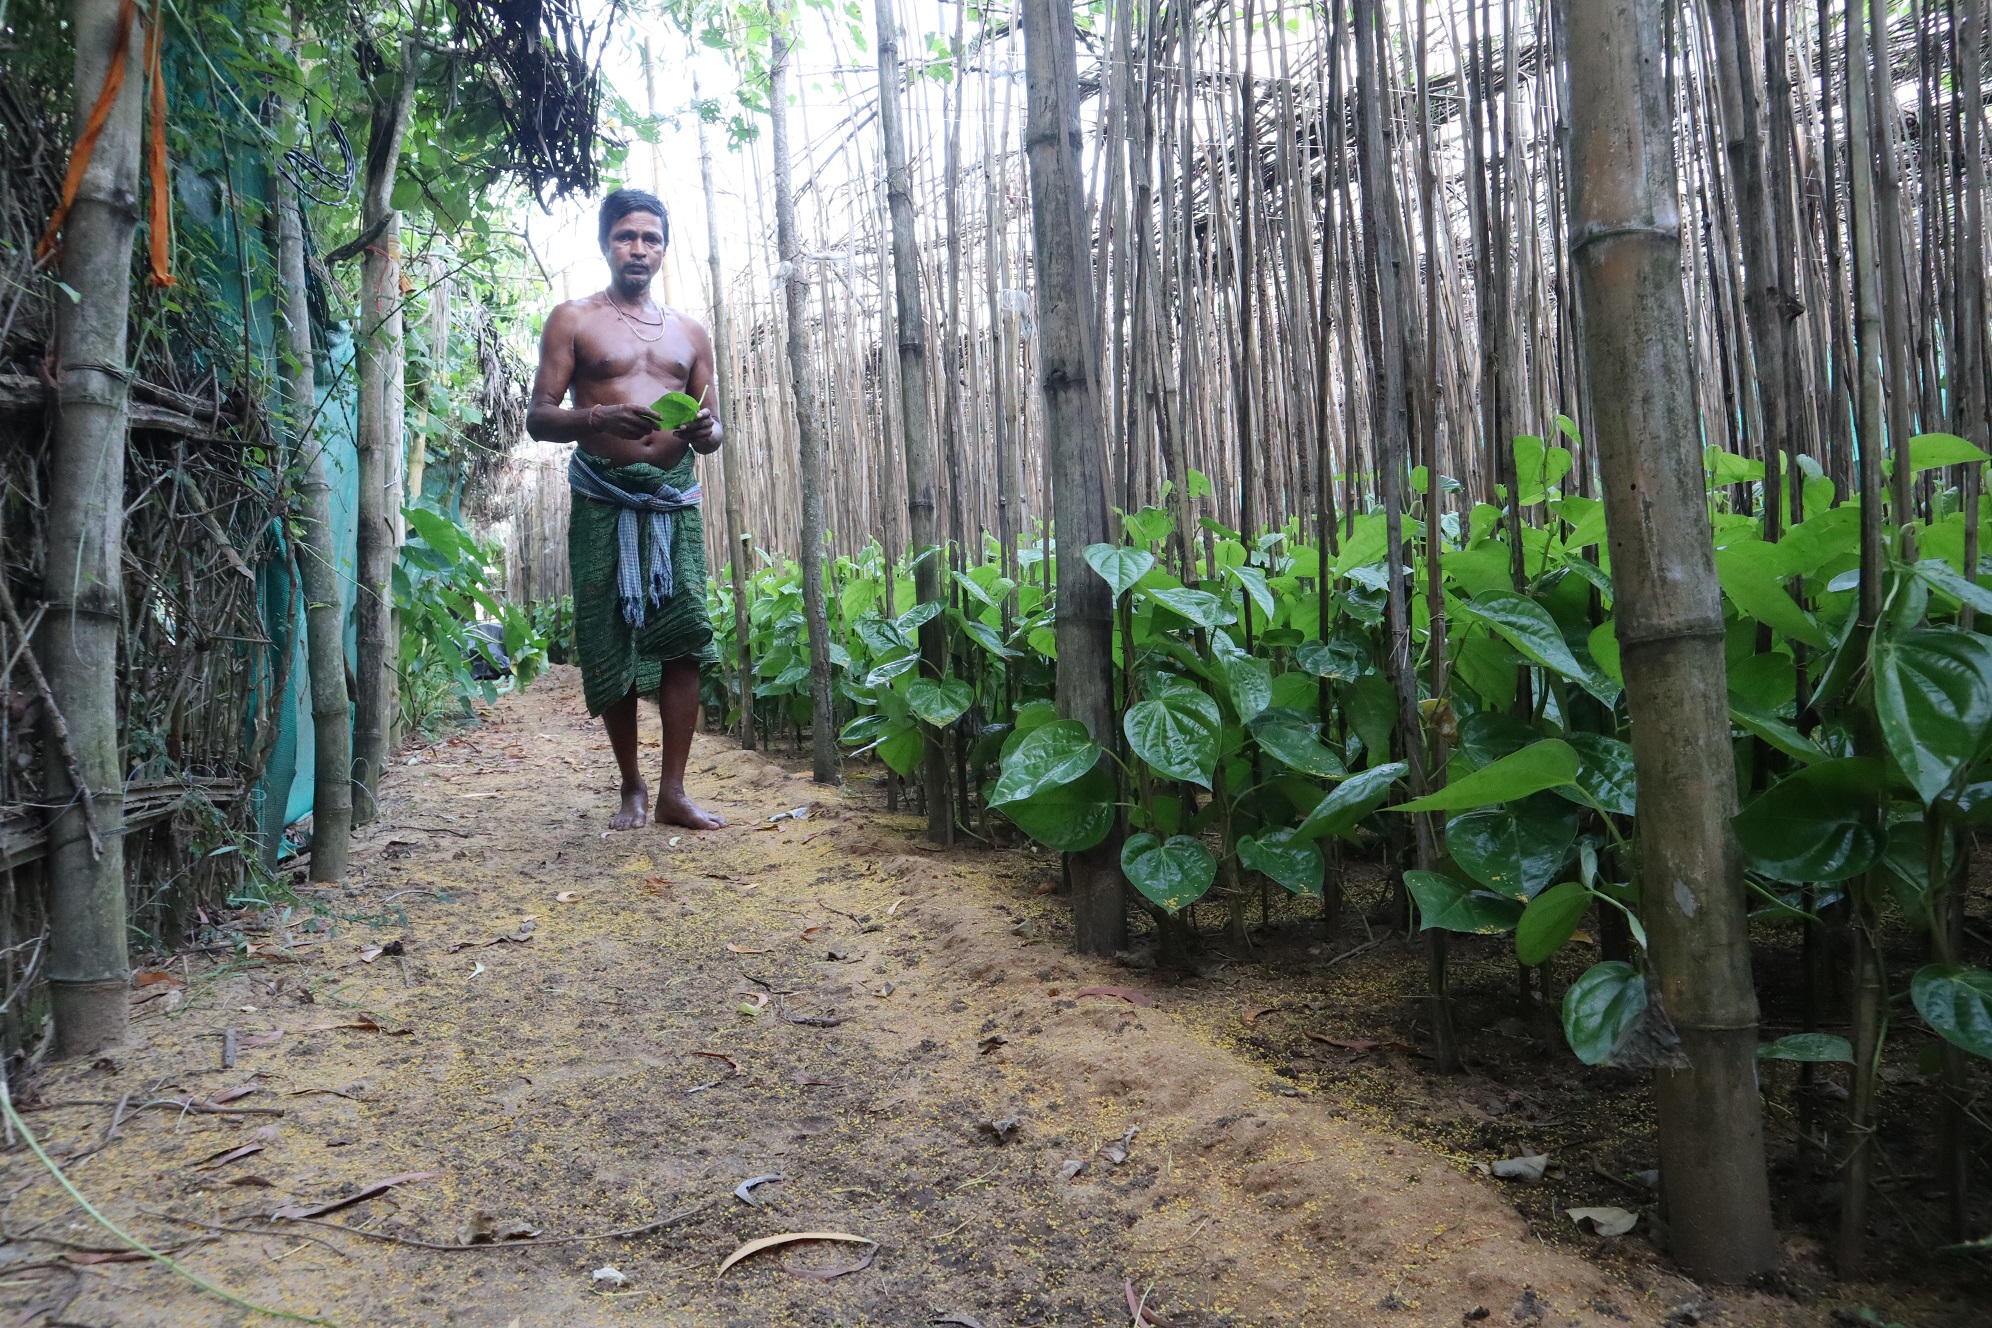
<point x="391" y="1239"/>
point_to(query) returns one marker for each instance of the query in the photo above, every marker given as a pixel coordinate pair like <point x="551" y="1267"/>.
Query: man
<point x="635" y="541"/>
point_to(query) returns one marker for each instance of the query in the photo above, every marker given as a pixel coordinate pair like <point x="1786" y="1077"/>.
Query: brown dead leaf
<point x="1251" y="1017"/>
<point x="748" y="949"/>
<point x="146" y="977"/>
<point x="732" y="1066"/>
<point x="365" y="1022"/>
<point x="252" y="1180"/>
<point x="1128" y="994"/>
<point x="85" y="1258"/>
<point x="754" y="1247"/>
<point x="808" y="1080"/>
<point x="1346" y="1044"/>
<point x="230" y="1094"/>
<point x="567" y="897"/>
<point x="232" y="1155"/>
<point x="379" y="1187"/>
<point x="265" y="1039"/>
<point x="371" y="953"/>
<point x="990" y="1043"/>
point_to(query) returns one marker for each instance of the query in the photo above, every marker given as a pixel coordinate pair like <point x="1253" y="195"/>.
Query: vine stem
<point x="34" y="1144"/>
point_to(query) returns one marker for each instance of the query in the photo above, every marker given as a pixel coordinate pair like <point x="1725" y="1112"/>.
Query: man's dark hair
<point x="625" y="201"/>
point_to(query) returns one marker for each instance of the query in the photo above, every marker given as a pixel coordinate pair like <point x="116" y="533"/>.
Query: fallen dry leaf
<point x="224" y="1159"/>
<point x="1346" y="1044"/>
<point x="366" y="1023"/>
<point x="748" y="949"/>
<point x="896" y="903"/>
<point x="1528" y="1170"/>
<point x="1002" y="1128"/>
<point x="754" y="1247"/>
<point x="145" y="977"/>
<point x="1604" y="1221"/>
<point x="84" y="1258"/>
<point x="379" y="1187"/>
<point x="808" y="1080"/>
<point x="265" y="1039"/>
<point x="732" y="1066"/>
<point x="1137" y="1306"/>
<point x="567" y="897"/>
<point x="1118" y="1151"/>
<point x="252" y="1180"/>
<point x="1128" y="994"/>
<point x="230" y="1094"/>
<point x="371" y="953"/>
<point x="1251" y="1017"/>
<point x="990" y="1043"/>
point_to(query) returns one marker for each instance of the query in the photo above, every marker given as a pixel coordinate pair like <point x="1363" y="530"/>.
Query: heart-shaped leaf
<point x="902" y="749"/>
<point x="1604" y="772"/>
<point x="1050" y="755"/>
<point x="1174" y="873"/>
<point x="1176" y="733"/>
<point x="674" y="410"/>
<point x="1446" y="904"/>
<point x="942" y="702"/>
<point x="1933" y="698"/>
<point x="1338" y="660"/>
<point x="1511" y="855"/>
<point x="1600" y="1006"/>
<point x="1296" y="743"/>
<point x="1527" y="626"/>
<point x="1550" y="920"/>
<point x="1199" y="606"/>
<point x="1538" y="766"/>
<point x="1818" y="1048"/>
<point x="1295" y="863"/>
<point x="1349" y="802"/>
<point x="1119" y="565"/>
<point x="1956" y="1002"/>
<point x="1816" y="824"/>
<point x="1249" y="681"/>
<point x="1067" y="817"/>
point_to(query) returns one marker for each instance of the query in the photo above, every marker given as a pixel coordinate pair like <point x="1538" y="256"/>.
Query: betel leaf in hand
<point x="674" y="410"/>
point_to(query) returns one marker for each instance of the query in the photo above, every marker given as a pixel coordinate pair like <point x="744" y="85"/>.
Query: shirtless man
<point x="617" y="351"/>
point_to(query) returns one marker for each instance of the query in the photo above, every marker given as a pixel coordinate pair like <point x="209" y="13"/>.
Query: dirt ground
<point x="560" y="1030"/>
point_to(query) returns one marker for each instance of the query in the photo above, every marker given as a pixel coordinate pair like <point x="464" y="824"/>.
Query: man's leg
<point x="678" y="700"/>
<point x="620" y="720"/>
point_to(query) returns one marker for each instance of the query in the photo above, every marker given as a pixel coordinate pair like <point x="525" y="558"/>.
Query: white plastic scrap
<point x="607" y="1274"/>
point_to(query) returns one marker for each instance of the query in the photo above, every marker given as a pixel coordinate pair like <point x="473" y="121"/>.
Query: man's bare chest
<point x="604" y="354"/>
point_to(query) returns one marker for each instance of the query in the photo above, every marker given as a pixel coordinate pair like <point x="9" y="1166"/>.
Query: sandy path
<point x="554" y="1081"/>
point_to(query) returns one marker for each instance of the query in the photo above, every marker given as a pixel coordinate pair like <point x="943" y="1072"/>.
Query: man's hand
<point x="622" y="421"/>
<point x="699" y="431"/>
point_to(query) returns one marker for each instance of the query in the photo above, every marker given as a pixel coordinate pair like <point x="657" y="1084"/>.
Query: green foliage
<point x="444" y="582"/>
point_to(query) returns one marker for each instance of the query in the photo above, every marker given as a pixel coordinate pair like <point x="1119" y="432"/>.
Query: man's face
<point x="636" y="248"/>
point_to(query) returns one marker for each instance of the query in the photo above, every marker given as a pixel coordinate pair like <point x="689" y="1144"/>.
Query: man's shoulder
<point x="576" y="310"/>
<point x="690" y="323"/>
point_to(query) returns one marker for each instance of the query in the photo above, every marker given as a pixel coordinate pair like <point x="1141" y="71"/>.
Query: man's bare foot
<point x="677" y="809"/>
<point x="635" y="809"/>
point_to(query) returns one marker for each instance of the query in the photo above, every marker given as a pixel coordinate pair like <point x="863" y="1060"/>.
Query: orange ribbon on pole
<point x="93" y="129"/>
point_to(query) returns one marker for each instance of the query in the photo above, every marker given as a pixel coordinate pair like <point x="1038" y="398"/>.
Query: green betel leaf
<point x="1446" y="904"/>
<point x="1174" y="873"/>
<point x="1338" y="660"/>
<point x="1119" y="566"/>
<point x="1605" y="773"/>
<point x="941" y="702"/>
<point x="1254" y="582"/>
<point x="1818" y="1048"/>
<point x="1514" y="856"/>
<point x="1199" y="606"/>
<point x="1928" y="451"/>
<point x="1816" y="824"/>
<point x="902" y="749"/>
<point x="1249" y="681"/>
<point x="1048" y="756"/>
<point x="886" y="672"/>
<point x="1749" y="575"/>
<point x="1538" y="469"/>
<point x="1176" y="733"/>
<point x="1600" y="1006"/>
<point x="1550" y="920"/>
<point x="674" y="410"/>
<point x="1356" y="797"/>
<point x="1295" y="863"/>
<point x="1933" y="699"/>
<point x="1538" y="766"/>
<point x="1371" y="708"/>
<point x="1067" y="817"/>
<point x="1945" y="579"/>
<point x="1957" y="1003"/>
<point x="1295" y="742"/>
<point x="1746" y="715"/>
<point x="1527" y="626"/>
